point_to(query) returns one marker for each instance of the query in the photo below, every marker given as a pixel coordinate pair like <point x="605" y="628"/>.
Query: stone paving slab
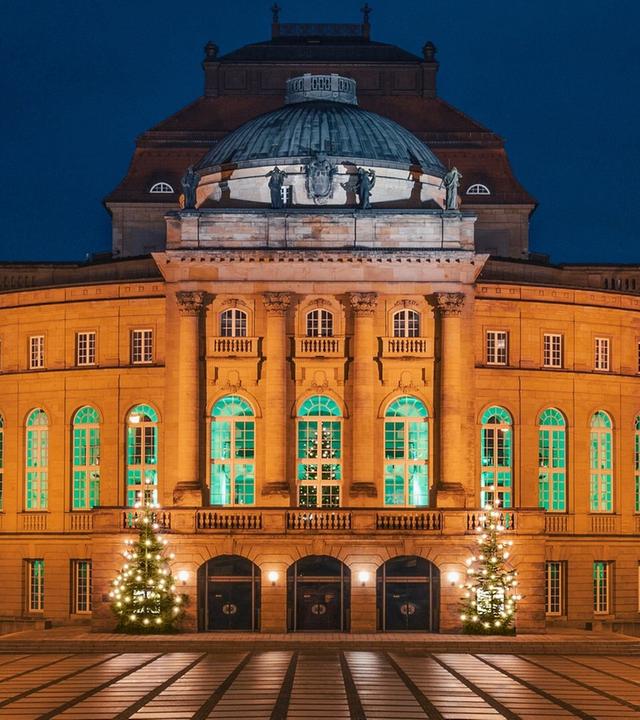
<point x="316" y="685"/>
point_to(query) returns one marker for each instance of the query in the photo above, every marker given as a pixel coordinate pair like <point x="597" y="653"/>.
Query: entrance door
<point x="318" y="594"/>
<point x="408" y="595"/>
<point x="229" y="593"/>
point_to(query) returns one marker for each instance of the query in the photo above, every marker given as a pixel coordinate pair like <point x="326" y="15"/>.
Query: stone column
<point x="188" y="490"/>
<point x="275" y="415"/>
<point x="363" y="482"/>
<point x="450" y="488"/>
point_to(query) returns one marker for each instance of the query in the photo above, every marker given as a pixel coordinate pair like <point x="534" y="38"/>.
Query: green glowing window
<point x="37" y="460"/>
<point x="601" y="445"/>
<point x="86" y="458"/>
<point x="496" y="449"/>
<point x="319" y="452"/>
<point x="142" y="455"/>
<point x="406" y="443"/>
<point x="552" y="461"/>
<point x="232" y="452"/>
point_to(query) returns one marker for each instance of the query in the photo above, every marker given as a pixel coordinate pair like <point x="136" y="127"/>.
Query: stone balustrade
<point x="406" y="347"/>
<point x="320" y="346"/>
<point x="233" y="347"/>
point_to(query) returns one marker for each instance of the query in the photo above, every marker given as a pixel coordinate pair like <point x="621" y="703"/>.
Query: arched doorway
<point x="408" y="595"/>
<point x="318" y="594"/>
<point x="229" y="594"/>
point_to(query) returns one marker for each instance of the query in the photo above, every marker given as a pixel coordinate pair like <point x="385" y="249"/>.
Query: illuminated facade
<point x="320" y="395"/>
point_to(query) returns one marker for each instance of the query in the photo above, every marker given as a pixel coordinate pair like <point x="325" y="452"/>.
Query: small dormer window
<point x="478" y="189"/>
<point x="161" y="188"/>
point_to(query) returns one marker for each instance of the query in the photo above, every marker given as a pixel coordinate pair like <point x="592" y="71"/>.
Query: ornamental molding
<point x="234" y="303"/>
<point x="449" y="303"/>
<point x="191" y="302"/>
<point x="277" y="303"/>
<point x="363" y="303"/>
<point x="405" y="303"/>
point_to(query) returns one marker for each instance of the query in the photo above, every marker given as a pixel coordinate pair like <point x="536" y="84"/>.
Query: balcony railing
<point x="406" y="347"/>
<point x="407" y="520"/>
<point x="233" y="346"/>
<point x="34" y="521"/>
<point x="558" y="524"/>
<point x="479" y="519"/>
<point x="320" y="346"/>
<point x="228" y="520"/>
<point x="78" y="521"/>
<point x="604" y="524"/>
<point x="162" y="518"/>
<point x="319" y="520"/>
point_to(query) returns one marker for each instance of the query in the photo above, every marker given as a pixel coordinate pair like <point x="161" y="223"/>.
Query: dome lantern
<point x="334" y="88"/>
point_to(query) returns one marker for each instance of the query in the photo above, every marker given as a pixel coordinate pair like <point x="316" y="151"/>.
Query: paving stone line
<point x="318" y="689"/>
<point x="601" y="664"/>
<point x="134" y="707"/>
<point x="496" y="704"/>
<point x="6" y="659"/>
<point x="281" y="707"/>
<point x="206" y="708"/>
<point x="38" y="666"/>
<point x="593" y="688"/>
<point x="430" y="709"/>
<point x="71" y="673"/>
<point x="356" y="711"/>
<point x="88" y="693"/>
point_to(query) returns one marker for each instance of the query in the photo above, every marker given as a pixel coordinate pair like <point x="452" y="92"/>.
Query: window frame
<point x="559" y="583"/>
<point x="602" y="591"/>
<point x="239" y="323"/>
<point x="319" y="323"/>
<point x="36" y="352"/>
<point x="34" y="585"/>
<point x="602" y="436"/>
<point x="636" y="463"/>
<point x="475" y="189"/>
<point x="162" y="187"/>
<point x="556" y="447"/>
<point x="492" y="349"/>
<point x="553" y="357"/>
<point x="144" y="468"/>
<point x="2" y="449"/>
<point x="89" y="434"/>
<point x="408" y="322"/>
<point x="602" y="353"/>
<point x="90" y="346"/>
<point x="76" y="586"/>
<point x="142" y="346"/>
<point x="36" y="469"/>
<point x="502" y="442"/>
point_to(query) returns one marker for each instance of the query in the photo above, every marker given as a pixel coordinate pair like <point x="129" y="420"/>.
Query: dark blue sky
<point x="559" y="79"/>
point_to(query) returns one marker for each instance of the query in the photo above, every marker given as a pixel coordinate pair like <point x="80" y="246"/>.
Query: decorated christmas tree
<point x="144" y="597"/>
<point x="490" y="597"/>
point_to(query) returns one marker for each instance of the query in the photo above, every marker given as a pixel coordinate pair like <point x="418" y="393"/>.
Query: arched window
<point x="161" y="188"/>
<point x="1" y="462"/>
<point x="142" y="455"/>
<point x="233" y="452"/>
<point x="636" y="463"/>
<point x="86" y="458"/>
<point x="552" y="461"/>
<point x="478" y="189"/>
<point x="496" y="443"/>
<point x="406" y="323"/>
<point x="319" y="427"/>
<point x="37" y="460"/>
<point x="406" y="453"/>
<point x="319" y="323"/>
<point x="601" y="490"/>
<point x="233" y="323"/>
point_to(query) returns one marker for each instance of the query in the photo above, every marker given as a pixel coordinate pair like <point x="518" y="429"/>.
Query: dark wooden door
<point x="319" y="606"/>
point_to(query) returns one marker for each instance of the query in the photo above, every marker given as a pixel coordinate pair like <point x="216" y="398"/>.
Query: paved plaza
<point x="308" y="684"/>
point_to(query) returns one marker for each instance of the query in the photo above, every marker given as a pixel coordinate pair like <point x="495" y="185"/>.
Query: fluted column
<point x="450" y="490"/>
<point x="188" y="490"/>
<point x="276" y="304"/>
<point x="363" y="482"/>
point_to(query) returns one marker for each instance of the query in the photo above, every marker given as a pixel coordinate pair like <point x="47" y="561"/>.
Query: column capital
<point x="277" y="303"/>
<point x="449" y="303"/>
<point x="190" y="302"/>
<point x="363" y="303"/>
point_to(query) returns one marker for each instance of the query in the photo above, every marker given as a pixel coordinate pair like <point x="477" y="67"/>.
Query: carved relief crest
<point x="319" y="174"/>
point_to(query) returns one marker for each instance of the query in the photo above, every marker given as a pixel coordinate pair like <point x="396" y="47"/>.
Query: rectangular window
<point x="552" y="350"/>
<point x="35" y="585"/>
<point x="85" y="348"/>
<point x="141" y="346"/>
<point x="601" y="353"/>
<point x="602" y="587"/>
<point x="81" y="586"/>
<point x="555" y="588"/>
<point x="497" y="347"/>
<point x="36" y="352"/>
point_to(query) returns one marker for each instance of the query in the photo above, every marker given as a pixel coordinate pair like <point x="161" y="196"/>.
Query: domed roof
<point x="336" y="127"/>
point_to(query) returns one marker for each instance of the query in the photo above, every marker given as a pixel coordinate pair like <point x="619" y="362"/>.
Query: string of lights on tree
<point x="491" y="595"/>
<point x="144" y="596"/>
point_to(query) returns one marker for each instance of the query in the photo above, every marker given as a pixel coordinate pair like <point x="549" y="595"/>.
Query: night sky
<point x="558" y="79"/>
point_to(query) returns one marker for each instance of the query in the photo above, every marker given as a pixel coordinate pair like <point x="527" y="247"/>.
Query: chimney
<point x="210" y="65"/>
<point x="429" y="70"/>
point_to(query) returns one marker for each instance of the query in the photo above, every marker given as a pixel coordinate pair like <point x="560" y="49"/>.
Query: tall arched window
<point x="233" y="323"/>
<point x="1" y="462"/>
<point x="496" y="445"/>
<point x="86" y="458"/>
<point x="319" y="427"/>
<point x="636" y="463"/>
<point x="37" y="460"/>
<point x="142" y="455"/>
<point x="232" y="452"/>
<point x="601" y="490"/>
<point x="552" y="461"/>
<point x="319" y="323"/>
<point x="406" y="453"/>
<point x="406" y="323"/>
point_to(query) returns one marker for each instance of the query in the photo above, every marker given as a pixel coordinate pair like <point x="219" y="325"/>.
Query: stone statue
<point x="189" y="183"/>
<point x="276" y="181"/>
<point x="366" y="181"/>
<point x="450" y="182"/>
